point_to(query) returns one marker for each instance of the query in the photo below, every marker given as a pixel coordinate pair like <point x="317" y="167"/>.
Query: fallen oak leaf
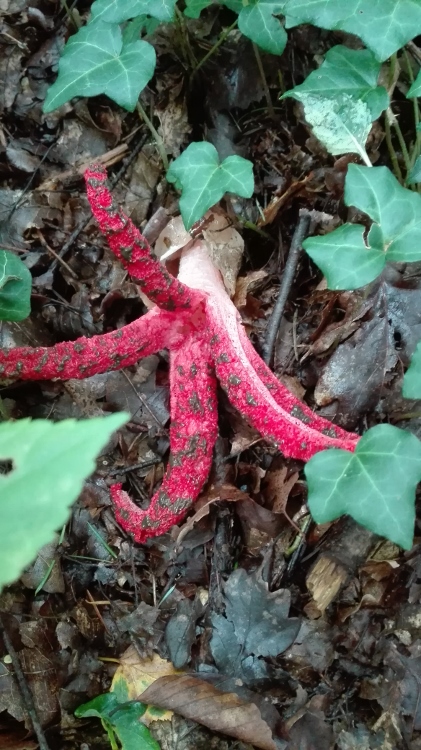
<point x="222" y="712"/>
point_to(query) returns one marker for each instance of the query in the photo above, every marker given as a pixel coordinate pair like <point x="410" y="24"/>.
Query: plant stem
<point x="402" y="144"/>
<point x="390" y="148"/>
<point x="217" y="44"/>
<point x="184" y="38"/>
<point x="417" y="145"/>
<point x="365" y="158"/>
<point x="264" y="81"/>
<point x="158" y="140"/>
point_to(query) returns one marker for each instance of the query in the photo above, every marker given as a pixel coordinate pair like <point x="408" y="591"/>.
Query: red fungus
<point x="196" y="320"/>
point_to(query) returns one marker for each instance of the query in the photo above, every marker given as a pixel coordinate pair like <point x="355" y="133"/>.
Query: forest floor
<point x="343" y="665"/>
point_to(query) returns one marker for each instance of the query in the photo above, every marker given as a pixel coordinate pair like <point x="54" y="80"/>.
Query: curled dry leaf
<point x="224" y="244"/>
<point x="222" y="712"/>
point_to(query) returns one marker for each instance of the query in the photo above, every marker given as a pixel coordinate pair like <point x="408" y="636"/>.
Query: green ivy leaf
<point x="121" y="720"/>
<point x="258" y="22"/>
<point x="15" y="287"/>
<point x="415" y="173"/>
<point x="415" y="89"/>
<point x="383" y="25"/>
<point x="117" y="11"/>
<point x="194" y="8"/>
<point x="344" y="258"/>
<point x="412" y="378"/>
<point x="375" y="485"/>
<point x="350" y="261"/>
<point x="346" y="71"/>
<point x="95" y="61"/>
<point x="50" y="462"/>
<point x="395" y="209"/>
<point x="203" y="179"/>
<point x="341" y="124"/>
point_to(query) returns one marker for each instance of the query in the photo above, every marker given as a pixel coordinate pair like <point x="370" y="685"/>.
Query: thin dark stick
<point x="117" y="177"/>
<point x="143" y="465"/>
<point x="25" y="692"/>
<point x="274" y="321"/>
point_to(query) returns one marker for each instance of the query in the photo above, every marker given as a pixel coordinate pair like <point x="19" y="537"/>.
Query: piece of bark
<point x="342" y="554"/>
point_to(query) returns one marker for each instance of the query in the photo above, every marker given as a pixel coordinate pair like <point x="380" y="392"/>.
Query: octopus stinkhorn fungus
<point x="196" y="321"/>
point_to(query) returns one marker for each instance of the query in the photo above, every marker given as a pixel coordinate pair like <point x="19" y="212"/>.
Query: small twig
<point x="264" y="81"/>
<point x="25" y="692"/>
<point x="55" y="255"/>
<point x="133" y="467"/>
<point x="286" y="283"/>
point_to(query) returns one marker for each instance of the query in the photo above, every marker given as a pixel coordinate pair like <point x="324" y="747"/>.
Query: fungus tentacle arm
<point x="284" y="397"/>
<point x="193" y="434"/>
<point x="132" y="248"/>
<point x="89" y="356"/>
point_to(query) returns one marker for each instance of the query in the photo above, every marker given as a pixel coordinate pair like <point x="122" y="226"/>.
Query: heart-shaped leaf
<point x="194" y="7"/>
<point x="95" y="61"/>
<point x="395" y="209"/>
<point x="120" y="720"/>
<point x="258" y="22"/>
<point x="344" y="258"/>
<point x="346" y="71"/>
<point x="383" y="25"/>
<point x="117" y="11"/>
<point x="375" y="485"/>
<point x="15" y="287"/>
<point x="347" y="259"/>
<point x="49" y="462"/>
<point x="203" y="179"/>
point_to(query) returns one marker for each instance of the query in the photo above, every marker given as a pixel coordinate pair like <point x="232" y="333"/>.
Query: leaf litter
<point x="281" y="639"/>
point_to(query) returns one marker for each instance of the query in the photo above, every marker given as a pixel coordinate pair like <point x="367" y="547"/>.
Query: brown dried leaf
<point x="246" y="284"/>
<point x="138" y="674"/>
<point x="278" y="486"/>
<point x="222" y="712"/>
<point x="15" y="741"/>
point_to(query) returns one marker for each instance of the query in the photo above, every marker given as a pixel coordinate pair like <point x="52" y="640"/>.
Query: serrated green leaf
<point x="415" y="173"/>
<point x="397" y="210"/>
<point x="50" y="462"/>
<point x="15" y="287"/>
<point x="117" y="11"/>
<point x="412" y="378"/>
<point x="383" y="25"/>
<point x="258" y="22"/>
<point x="341" y="124"/>
<point x="375" y="485"/>
<point x="94" y="61"/>
<point x="122" y="719"/>
<point x="194" y="8"/>
<point x="344" y="258"/>
<point x="204" y="180"/>
<point x="346" y="71"/>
